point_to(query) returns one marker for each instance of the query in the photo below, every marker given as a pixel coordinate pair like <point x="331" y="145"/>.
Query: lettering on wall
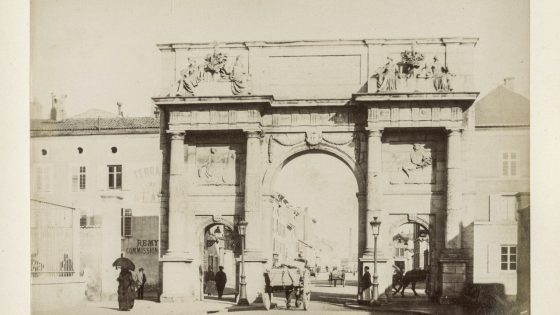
<point x="144" y="247"/>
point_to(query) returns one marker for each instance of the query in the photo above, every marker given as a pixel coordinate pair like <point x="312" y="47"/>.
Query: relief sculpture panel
<point x="413" y="165"/>
<point x="217" y="165"/>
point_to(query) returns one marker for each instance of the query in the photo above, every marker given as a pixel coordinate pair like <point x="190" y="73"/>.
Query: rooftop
<point x="94" y="126"/>
<point x="502" y="107"/>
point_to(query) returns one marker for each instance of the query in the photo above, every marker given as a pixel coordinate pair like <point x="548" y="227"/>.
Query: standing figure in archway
<point x="365" y="284"/>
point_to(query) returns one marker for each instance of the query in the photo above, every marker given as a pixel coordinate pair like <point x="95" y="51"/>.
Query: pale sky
<point x="327" y="187"/>
<point x="103" y="51"/>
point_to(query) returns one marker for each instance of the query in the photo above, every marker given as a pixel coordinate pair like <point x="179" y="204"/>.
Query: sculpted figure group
<point x="388" y="74"/>
<point x="213" y="70"/>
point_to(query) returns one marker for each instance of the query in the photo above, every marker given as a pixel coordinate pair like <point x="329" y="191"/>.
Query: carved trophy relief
<point x="216" y="166"/>
<point x="214" y="68"/>
<point x="413" y="74"/>
<point x="414" y="166"/>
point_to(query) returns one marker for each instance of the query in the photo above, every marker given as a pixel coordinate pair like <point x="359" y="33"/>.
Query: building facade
<point x="109" y="171"/>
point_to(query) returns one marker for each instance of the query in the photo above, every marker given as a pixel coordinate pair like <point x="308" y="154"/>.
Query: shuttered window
<point x="126" y="222"/>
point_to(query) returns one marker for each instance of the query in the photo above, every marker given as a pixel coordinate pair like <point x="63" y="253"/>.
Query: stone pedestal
<point x="180" y="279"/>
<point x="384" y="275"/>
<point x="453" y="275"/>
<point x="254" y="276"/>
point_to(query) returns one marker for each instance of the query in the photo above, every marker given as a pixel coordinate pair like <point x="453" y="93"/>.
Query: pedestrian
<point x="365" y="285"/>
<point x="126" y="290"/>
<point x="221" y="280"/>
<point x="140" y="282"/>
<point x="210" y="281"/>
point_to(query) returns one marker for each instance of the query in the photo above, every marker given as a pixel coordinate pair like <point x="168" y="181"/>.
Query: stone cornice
<point x="383" y="97"/>
<point x="204" y="100"/>
<point x="340" y="42"/>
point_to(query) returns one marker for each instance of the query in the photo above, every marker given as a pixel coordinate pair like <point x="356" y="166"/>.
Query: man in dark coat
<point x="221" y="280"/>
<point x="365" y="284"/>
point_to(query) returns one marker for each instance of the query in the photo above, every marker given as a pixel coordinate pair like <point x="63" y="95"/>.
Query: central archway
<point x="324" y="184"/>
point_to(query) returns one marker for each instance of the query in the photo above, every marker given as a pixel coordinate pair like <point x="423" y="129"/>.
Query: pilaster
<point x="180" y="277"/>
<point x="374" y="184"/>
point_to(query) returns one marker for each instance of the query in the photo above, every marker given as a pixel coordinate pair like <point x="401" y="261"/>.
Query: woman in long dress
<point x="126" y="290"/>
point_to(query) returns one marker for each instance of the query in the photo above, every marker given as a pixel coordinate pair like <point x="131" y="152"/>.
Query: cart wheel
<point x="266" y="301"/>
<point x="306" y="299"/>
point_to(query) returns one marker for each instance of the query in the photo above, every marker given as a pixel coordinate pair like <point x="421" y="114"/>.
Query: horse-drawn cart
<point x="288" y="279"/>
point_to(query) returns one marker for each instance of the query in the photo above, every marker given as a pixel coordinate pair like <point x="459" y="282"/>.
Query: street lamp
<point x="242" y="229"/>
<point x="375" y="231"/>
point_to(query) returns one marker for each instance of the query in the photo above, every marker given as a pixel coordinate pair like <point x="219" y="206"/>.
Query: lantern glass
<point x="375" y="226"/>
<point x="242" y="227"/>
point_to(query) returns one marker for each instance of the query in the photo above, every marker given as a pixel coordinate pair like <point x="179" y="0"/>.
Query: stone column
<point x="454" y="190"/>
<point x="253" y="215"/>
<point x="373" y="185"/>
<point x="453" y="259"/>
<point x="180" y="277"/>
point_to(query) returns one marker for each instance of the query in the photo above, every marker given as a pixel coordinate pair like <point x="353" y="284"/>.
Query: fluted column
<point x="374" y="197"/>
<point x="177" y="211"/>
<point x="252" y="194"/>
<point x="454" y="189"/>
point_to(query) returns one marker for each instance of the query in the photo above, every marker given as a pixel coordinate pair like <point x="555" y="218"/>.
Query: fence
<point x="54" y="240"/>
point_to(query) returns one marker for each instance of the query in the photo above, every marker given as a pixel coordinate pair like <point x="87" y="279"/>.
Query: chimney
<point x="509" y="82"/>
<point x="119" y="110"/>
<point x="57" y="111"/>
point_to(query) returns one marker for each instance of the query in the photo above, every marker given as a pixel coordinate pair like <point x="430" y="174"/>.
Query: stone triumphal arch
<point x="397" y="112"/>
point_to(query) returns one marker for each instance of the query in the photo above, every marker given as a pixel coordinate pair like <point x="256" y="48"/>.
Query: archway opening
<point x="317" y="218"/>
<point x="218" y="246"/>
<point x="411" y="258"/>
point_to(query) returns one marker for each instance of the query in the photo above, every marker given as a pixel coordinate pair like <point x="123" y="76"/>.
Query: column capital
<point x="176" y="134"/>
<point x="374" y="132"/>
<point x="253" y="133"/>
<point x="453" y="131"/>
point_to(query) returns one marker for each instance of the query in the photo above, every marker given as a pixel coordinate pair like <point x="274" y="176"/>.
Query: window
<point x="79" y="178"/>
<point x="509" y="164"/>
<point x="126" y="222"/>
<point x="115" y="176"/>
<point x="42" y="178"/>
<point x="83" y="221"/>
<point x="399" y="252"/>
<point x="508" y="257"/>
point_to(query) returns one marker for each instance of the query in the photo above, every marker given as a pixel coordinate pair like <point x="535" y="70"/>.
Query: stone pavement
<point x="143" y="307"/>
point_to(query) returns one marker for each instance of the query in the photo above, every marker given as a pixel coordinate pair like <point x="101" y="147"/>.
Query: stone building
<point x="398" y="113"/>
<point x="501" y="186"/>
<point x="109" y="170"/>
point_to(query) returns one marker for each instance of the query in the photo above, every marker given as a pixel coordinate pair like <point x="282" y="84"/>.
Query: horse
<point x="410" y="277"/>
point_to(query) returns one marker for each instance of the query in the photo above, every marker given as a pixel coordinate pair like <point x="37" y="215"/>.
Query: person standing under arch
<point x="221" y="280"/>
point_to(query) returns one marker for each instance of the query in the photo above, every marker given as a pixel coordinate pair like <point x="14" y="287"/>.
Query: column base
<point x="384" y="278"/>
<point x="453" y="275"/>
<point x="181" y="279"/>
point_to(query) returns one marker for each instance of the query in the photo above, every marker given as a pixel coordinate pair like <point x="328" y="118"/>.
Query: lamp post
<point x="242" y="229"/>
<point x="375" y="231"/>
